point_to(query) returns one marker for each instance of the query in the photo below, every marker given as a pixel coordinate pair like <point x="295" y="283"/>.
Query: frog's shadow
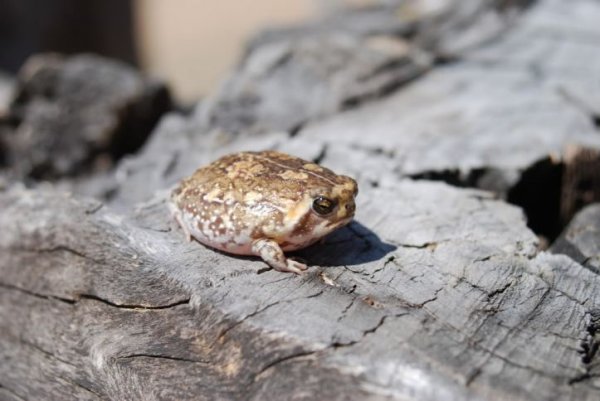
<point x="351" y="245"/>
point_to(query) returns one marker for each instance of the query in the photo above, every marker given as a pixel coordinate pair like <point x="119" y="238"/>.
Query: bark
<point x="581" y="238"/>
<point x="78" y="115"/>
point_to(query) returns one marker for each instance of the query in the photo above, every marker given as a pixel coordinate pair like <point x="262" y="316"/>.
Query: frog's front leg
<point x="271" y="252"/>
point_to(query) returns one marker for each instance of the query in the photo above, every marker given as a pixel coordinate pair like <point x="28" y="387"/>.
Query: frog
<point x="263" y="203"/>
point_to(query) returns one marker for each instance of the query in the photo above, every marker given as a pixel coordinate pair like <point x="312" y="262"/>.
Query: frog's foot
<point x="271" y="253"/>
<point x="177" y="216"/>
<point x="294" y="266"/>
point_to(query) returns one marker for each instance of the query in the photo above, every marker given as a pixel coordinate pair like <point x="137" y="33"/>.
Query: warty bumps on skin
<point x="263" y="203"/>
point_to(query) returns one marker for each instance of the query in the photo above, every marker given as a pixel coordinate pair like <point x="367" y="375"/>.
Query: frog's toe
<point x="294" y="266"/>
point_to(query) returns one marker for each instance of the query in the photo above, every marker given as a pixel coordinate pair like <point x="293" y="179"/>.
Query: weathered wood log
<point x="434" y="292"/>
<point x="323" y="74"/>
<point x="444" y="126"/>
<point x="7" y="86"/>
<point x="581" y="238"/>
<point x="449" y="300"/>
<point x="294" y="75"/>
<point x="581" y="180"/>
<point x="69" y="113"/>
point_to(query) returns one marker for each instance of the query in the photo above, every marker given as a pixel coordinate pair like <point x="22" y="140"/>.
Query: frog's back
<point x="229" y="202"/>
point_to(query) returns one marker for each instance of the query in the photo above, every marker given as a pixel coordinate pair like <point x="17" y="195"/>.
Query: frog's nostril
<point x="350" y="207"/>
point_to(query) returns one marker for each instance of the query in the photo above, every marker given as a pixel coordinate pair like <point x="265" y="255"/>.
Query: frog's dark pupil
<point x="323" y="205"/>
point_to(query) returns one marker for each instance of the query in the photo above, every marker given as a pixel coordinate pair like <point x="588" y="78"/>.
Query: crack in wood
<point x="69" y="381"/>
<point x="472" y="375"/>
<point x="589" y="348"/>
<point x="171" y="164"/>
<point x="56" y="249"/>
<point x="71" y="301"/>
<point x="493" y="351"/>
<point x="225" y="331"/>
<point x="281" y="360"/>
<point x="346" y="309"/>
<point x="94" y="208"/>
<point x="498" y="291"/>
<point x="383" y="91"/>
<point x="389" y="260"/>
<point x="425" y="245"/>
<point x="37" y="295"/>
<point x="372" y="330"/>
<point x="322" y="154"/>
<point x="160" y="356"/>
<point x="48" y="354"/>
<point x="134" y="306"/>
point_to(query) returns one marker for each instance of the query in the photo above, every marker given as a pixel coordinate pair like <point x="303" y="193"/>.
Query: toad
<point x="263" y="203"/>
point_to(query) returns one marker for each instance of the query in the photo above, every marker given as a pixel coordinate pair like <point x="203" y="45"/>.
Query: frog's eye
<point x="323" y="205"/>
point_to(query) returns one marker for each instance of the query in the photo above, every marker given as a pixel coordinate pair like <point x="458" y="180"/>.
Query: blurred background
<point x="189" y="43"/>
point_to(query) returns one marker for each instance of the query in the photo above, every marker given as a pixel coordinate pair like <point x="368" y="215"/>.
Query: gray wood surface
<point x="7" y="85"/>
<point x="434" y="292"/>
<point x="581" y="238"/>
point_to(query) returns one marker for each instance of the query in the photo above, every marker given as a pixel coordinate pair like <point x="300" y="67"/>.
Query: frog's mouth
<point x="340" y="223"/>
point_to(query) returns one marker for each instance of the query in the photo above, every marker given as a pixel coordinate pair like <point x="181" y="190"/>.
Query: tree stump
<point x="438" y="290"/>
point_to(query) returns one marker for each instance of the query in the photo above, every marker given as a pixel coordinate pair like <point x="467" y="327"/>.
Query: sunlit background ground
<point x="194" y="42"/>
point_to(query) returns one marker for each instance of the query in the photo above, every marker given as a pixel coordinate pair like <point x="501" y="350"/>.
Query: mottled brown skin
<point x="263" y="203"/>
